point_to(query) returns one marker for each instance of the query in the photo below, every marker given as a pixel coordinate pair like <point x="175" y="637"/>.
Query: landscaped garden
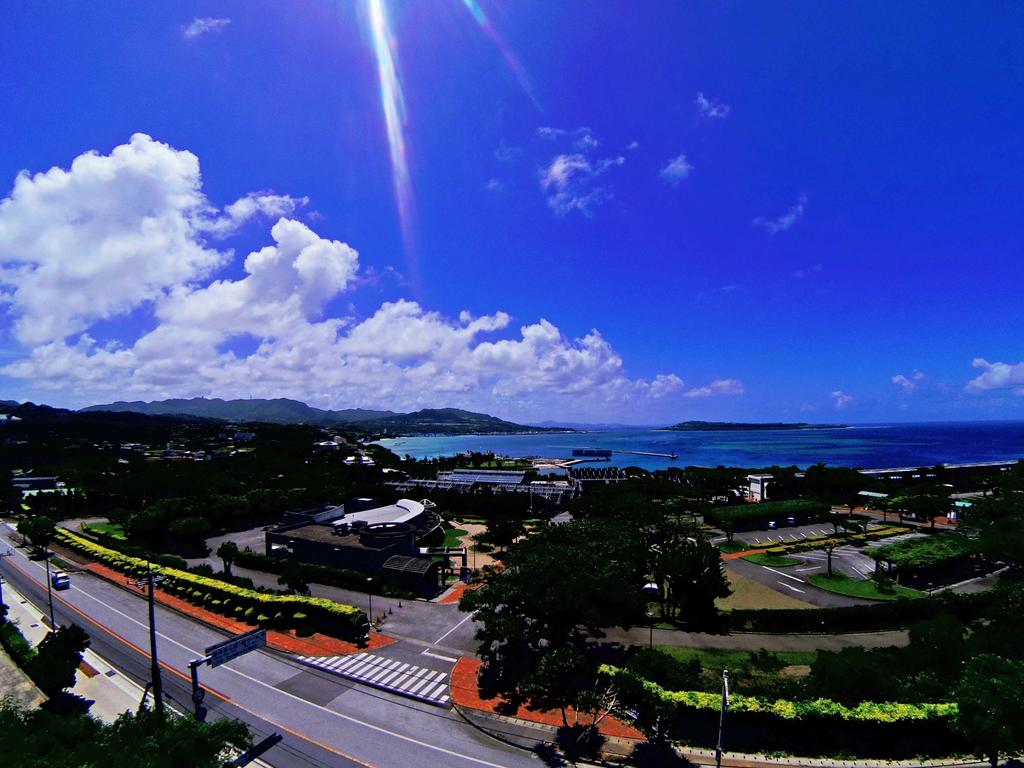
<point x="869" y="589"/>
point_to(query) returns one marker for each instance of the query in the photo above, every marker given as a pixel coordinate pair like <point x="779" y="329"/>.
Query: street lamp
<point x="369" y="595"/>
<point x="158" y="689"/>
<point x="721" y="717"/>
<point x="49" y="586"/>
<point x="650" y="620"/>
<point x="8" y="553"/>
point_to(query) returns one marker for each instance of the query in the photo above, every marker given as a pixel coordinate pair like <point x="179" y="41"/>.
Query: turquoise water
<point x="866" y="446"/>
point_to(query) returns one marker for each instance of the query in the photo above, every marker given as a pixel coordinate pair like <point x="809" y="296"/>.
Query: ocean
<point x="869" y="446"/>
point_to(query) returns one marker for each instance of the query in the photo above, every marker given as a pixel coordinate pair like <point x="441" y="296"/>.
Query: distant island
<point x="735" y="426"/>
<point x="430" y="421"/>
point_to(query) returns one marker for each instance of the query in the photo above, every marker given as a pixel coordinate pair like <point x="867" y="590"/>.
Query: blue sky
<point x="633" y="212"/>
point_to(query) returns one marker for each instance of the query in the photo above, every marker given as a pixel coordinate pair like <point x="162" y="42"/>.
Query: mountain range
<point x="449" y="421"/>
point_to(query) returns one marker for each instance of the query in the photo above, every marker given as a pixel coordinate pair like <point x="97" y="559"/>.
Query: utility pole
<point x="721" y="717"/>
<point x="8" y="553"/>
<point x="154" y="670"/>
<point x="49" y="587"/>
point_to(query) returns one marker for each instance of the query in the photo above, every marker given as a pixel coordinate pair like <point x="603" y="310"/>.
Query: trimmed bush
<point x="325" y="615"/>
<point x="813" y="726"/>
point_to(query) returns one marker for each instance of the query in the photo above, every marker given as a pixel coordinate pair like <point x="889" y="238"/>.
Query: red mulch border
<point x="455" y="594"/>
<point x="466" y="693"/>
<point x="314" y="645"/>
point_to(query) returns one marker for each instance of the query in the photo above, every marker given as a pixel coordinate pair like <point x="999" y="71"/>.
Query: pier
<point x="648" y="453"/>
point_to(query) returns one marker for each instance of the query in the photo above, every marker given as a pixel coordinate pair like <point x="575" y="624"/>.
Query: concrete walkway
<point x="112" y="692"/>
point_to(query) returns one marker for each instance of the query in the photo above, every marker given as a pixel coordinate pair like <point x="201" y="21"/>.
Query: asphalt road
<point x="325" y="720"/>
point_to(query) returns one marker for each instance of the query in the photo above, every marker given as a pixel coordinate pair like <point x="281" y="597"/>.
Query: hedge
<point x="863" y="618"/>
<point x="871" y="711"/>
<point x="813" y="726"/>
<point x="742" y="513"/>
<point x="929" y="550"/>
<point x="325" y="615"/>
<point x="321" y="574"/>
<point x="819" y="542"/>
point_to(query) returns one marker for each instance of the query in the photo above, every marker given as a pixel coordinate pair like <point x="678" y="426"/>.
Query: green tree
<point x="999" y="522"/>
<point x="40" y="739"/>
<point x="689" y="572"/>
<point x="294" y="578"/>
<point x="40" y="530"/>
<point x="990" y="706"/>
<point x="559" y="589"/>
<point x="57" y="658"/>
<point x="228" y="552"/>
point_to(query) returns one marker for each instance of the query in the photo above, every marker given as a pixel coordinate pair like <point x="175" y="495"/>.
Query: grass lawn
<point x="733" y="546"/>
<point x="776" y="561"/>
<point x="747" y="593"/>
<point x="718" y="659"/>
<point x="452" y="537"/>
<point x="865" y="588"/>
<point x="111" y="529"/>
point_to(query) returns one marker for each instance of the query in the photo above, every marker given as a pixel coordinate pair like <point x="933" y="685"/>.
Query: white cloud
<point x="840" y="399"/>
<point x="126" y="231"/>
<point x="494" y="185"/>
<point x="711" y="110"/>
<point x="242" y="210"/>
<point x="96" y="240"/>
<point x="633" y="145"/>
<point x="199" y="27"/>
<point x="582" y="138"/>
<point x="786" y="220"/>
<point x="997" y="376"/>
<point x="675" y="170"/>
<point x="718" y="387"/>
<point x="908" y="384"/>
<point x="568" y="182"/>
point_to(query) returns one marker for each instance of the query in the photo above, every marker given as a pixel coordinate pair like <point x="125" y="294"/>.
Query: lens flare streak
<point x="393" y="105"/>
<point x="510" y="57"/>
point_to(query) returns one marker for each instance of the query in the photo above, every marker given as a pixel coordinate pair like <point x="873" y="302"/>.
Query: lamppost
<point x="721" y="717"/>
<point x="49" y="586"/>
<point x="158" y="689"/>
<point x="650" y="624"/>
<point x="369" y="595"/>
<point x="8" y="553"/>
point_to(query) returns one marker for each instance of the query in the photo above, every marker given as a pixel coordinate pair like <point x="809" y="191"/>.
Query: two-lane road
<point x="325" y="720"/>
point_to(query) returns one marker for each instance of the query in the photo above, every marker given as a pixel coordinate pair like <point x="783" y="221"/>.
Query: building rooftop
<point x="401" y="511"/>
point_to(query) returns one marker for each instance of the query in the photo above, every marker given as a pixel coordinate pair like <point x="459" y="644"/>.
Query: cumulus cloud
<point x="633" y="145"/>
<point x="996" y="376"/>
<point x="710" y="109"/>
<point x="840" y="399"/>
<point x="908" y="384"/>
<point x="786" y="220"/>
<point x="718" y="387"/>
<point x="98" y="239"/>
<point x="203" y="26"/>
<point x="675" y="170"/>
<point x="128" y="230"/>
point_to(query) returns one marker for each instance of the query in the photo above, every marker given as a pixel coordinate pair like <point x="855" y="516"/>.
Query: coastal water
<point x="863" y="446"/>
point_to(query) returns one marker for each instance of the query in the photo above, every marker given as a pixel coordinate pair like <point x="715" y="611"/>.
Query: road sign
<point x="224" y="652"/>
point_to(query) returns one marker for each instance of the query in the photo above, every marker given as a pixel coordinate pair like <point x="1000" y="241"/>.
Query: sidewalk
<point x="112" y="692"/>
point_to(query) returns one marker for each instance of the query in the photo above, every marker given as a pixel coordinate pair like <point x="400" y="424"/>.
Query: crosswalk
<point x="398" y="677"/>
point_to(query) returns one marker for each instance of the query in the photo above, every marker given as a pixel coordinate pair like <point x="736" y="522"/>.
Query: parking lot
<point x="782" y="533"/>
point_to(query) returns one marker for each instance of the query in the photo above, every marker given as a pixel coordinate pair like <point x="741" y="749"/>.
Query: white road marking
<point x="442" y="637"/>
<point x="792" y="588"/>
<point x="428" y="652"/>
<point x="794" y="578"/>
<point x="811" y="568"/>
<point x="268" y="717"/>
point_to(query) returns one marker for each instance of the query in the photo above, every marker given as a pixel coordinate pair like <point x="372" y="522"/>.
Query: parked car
<point x="60" y="580"/>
